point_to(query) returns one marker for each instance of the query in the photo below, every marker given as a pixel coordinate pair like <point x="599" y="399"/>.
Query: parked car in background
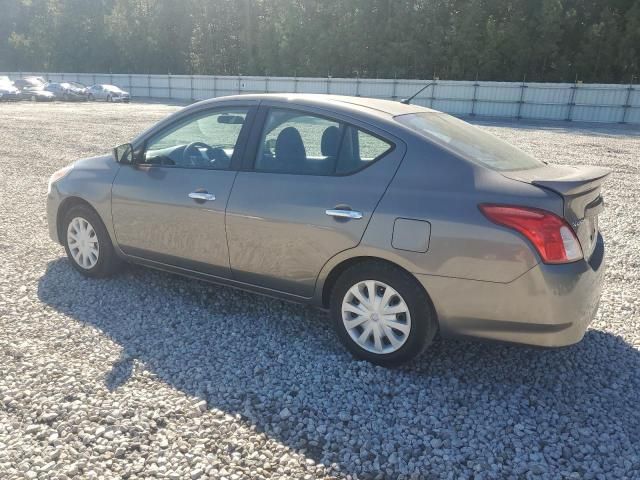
<point x="37" y="94"/>
<point x="8" y="91"/>
<point x="67" y="91"/>
<point x="108" y="93"/>
<point x="32" y="88"/>
<point x="31" y="82"/>
<point x="81" y="87"/>
<point x="398" y="219"/>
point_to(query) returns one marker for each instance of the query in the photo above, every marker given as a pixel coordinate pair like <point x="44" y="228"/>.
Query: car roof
<point x="372" y="110"/>
<point x="373" y="105"/>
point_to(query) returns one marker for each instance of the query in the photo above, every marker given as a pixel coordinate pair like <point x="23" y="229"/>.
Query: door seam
<point x="226" y="232"/>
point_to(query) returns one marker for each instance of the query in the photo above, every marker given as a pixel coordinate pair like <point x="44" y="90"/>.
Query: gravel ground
<point x="152" y="375"/>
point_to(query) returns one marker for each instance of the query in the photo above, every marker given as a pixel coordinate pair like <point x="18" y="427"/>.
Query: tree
<point x="546" y="40"/>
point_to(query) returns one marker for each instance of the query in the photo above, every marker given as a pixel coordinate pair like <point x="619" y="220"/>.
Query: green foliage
<point x="543" y="40"/>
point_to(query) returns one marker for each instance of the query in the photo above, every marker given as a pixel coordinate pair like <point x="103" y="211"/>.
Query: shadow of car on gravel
<point x="462" y="403"/>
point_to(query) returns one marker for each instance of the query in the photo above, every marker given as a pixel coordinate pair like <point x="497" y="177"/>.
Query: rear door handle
<point x="354" y="214"/>
<point x="202" y="196"/>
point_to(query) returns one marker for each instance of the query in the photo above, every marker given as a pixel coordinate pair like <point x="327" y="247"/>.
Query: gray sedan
<point x="400" y="220"/>
<point x="67" y="91"/>
<point x="108" y="93"/>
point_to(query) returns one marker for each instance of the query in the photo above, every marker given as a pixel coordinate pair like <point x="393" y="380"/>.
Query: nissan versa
<point x="400" y="220"/>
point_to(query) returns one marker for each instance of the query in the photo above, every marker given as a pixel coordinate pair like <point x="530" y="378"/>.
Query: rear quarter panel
<point x="436" y="186"/>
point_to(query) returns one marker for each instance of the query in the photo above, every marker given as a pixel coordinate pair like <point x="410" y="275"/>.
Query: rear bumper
<point x="550" y="305"/>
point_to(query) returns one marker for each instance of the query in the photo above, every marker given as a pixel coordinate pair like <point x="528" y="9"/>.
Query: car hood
<point x="100" y="162"/>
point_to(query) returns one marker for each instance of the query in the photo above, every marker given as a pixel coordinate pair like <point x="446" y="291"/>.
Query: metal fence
<point x="526" y="100"/>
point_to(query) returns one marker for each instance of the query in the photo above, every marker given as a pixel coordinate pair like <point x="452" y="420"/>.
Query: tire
<point x="33" y="98"/>
<point x="106" y="261"/>
<point x="65" y="97"/>
<point x="109" y="99"/>
<point x="90" y="98"/>
<point x="406" y="294"/>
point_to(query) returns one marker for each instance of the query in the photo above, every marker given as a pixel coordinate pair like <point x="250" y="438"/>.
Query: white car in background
<point x="108" y="93"/>
<point x="8" y="91"/>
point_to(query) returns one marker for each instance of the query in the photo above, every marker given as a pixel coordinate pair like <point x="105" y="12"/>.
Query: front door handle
<point x="354" y="214"/>
<point x="202" y="196"/>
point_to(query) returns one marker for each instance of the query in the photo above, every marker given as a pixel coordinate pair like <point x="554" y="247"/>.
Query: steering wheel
<point x="193" y="154"/>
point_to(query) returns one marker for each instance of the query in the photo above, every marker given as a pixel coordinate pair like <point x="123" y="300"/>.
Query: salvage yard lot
<point x="151" y="375"/>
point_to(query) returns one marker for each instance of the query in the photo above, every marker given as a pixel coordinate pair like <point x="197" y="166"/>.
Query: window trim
<point x="261" y="125"/>
<point x="238" y="152"/>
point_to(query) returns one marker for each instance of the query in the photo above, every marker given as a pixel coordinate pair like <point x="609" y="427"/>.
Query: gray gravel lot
<point x="151" y="375"/>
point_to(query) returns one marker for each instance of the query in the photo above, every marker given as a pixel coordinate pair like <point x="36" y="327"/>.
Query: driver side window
<point x="205" y="141"/>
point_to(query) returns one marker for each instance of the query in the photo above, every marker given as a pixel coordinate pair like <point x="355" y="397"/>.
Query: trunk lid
<point x="580" y="188"/>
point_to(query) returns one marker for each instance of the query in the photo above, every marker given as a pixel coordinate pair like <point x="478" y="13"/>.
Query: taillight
<point x="550" y="234"/>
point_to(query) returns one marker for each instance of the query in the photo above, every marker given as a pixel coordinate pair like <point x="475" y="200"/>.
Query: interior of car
<point x="292" y="142"/>
<point x="299" y="143"/>
<point x="204" y="142"/>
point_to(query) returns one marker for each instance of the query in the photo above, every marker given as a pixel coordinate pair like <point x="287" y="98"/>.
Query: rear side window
<point x="469" y="141"/>
<point x="306" y="144"/>
<point x="359" y="149"/>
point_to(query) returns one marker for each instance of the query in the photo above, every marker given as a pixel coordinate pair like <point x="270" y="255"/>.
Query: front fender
<point x="91" y="180"/>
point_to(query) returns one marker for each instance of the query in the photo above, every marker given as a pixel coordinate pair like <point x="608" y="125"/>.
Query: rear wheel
<point x="90" y="98"/>
<point x="87" y="243"/>
<point x="382" y="314"/>
<point x="109" y="99"/>
<point x="33" y="98"/>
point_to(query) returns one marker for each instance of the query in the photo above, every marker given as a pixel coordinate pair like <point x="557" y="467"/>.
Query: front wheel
<point x="87" y="243"/>
<point x="382" y="314"/>
<point x="90" y="97"/>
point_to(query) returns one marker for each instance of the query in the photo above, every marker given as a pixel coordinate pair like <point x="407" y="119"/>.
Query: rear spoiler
<point x="567" y="180"/>
<point x="581" y="179"/>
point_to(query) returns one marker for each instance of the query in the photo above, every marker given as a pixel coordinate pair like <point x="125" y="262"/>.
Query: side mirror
<point x="124" y="153"/>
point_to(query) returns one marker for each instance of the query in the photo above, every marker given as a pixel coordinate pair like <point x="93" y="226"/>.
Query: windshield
<point x="469" y="141"/>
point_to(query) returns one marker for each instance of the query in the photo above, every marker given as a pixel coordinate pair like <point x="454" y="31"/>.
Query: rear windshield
<point x="468" y="141"/>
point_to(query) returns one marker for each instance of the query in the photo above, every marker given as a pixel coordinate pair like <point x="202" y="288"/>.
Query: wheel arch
<point x="66" y="205"/>
<point x="335" y="272"/>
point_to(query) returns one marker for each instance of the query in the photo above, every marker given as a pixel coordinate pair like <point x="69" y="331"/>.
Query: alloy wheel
<point x="83" y="244"/>
<point x="376" y="317"/>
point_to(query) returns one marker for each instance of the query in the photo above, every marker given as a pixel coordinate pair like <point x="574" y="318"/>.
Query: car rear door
<point x="170" y="206"/>
<point x="312" y="184"/>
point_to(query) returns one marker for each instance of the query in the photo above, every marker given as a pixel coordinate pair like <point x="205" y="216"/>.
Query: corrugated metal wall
<point x="548" y="101"/>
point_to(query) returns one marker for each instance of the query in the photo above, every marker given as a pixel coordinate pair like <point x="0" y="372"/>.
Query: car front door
<point x="169" y="206"/>
<point x="314" y="185"/>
